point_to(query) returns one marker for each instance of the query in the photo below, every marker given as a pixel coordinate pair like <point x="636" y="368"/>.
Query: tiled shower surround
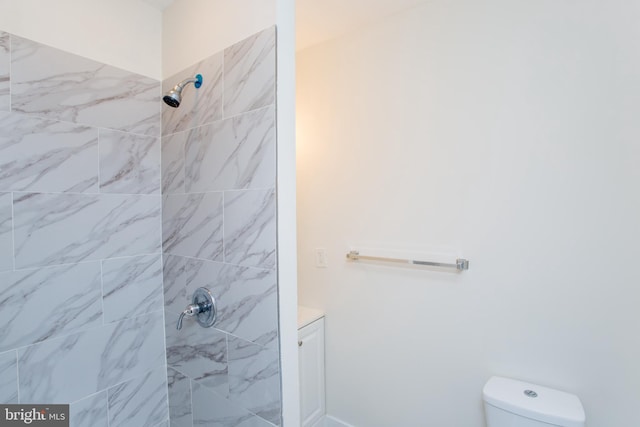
<point x="219" y="232"/>
<point x="81" y="302"/>
<point x="92" y="221"/>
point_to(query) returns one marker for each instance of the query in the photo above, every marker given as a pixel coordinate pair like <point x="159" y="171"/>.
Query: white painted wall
<point x="319" y="21"/>
<point x="506" y="130"/>
<point x="196" y="29"/>
<point x="122" y="33"/>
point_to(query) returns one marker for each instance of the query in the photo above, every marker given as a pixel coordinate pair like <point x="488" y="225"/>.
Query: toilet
<point x="512" y="403"/>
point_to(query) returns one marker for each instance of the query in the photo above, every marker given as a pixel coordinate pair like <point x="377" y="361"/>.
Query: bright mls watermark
<point x="34" y="415"/>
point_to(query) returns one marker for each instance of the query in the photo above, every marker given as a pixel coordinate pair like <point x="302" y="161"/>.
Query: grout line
<point x="81" y="331"/>
<point x="224" y="91"/>
<point x="102" y="292"/>
<point x="264" y="347"/>
<point x="229" y="190"/>
<point x="68" y="264"/>
<point x="99" y="161"/>
<point x="102" y="128"/>
<point x="17" y="374"/>
<point x="161" y="178"/>
<point x="252" y="413"/>
<point x="184" y="163"/>
<point x="13" y="232"/>
<point x="217" y="121"/>
<point x="106" y="396"/>
<point x="135" y="317"/>
<point x="78" y="124"/>
<point x="164" y="340"/>
<point x="133" y="378"/>
<point x="224" y="241"/>
<point x="223" y="263"/>
<point x="88" y="397"/>
<point x="106" y="390"/>
<point x="191" y="397"/>
<point x="164" y="311"/>
<point x="77" y="193"/>
<point x="132" y="256"/>
<point x="226" y="338"/>
<point x="178" y="371"/>
<point x="10" y="72"/>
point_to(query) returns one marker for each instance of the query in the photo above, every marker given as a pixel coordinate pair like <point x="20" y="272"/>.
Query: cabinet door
<point x="311" y="360"/>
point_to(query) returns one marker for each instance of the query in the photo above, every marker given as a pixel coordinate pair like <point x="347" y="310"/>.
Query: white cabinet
<point x="311" y="361"/>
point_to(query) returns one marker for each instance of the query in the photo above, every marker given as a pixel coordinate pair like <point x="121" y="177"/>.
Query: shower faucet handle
<point x="203" y="308"/>
<point x="191" y="310"/>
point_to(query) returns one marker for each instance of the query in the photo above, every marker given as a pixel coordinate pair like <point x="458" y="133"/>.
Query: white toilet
<point x="511" y="403"/>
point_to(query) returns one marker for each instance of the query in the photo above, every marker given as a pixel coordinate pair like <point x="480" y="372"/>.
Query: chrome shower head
<point x="173" y="98"/>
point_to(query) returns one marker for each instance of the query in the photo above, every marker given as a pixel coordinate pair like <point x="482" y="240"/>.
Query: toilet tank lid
<point x="548" y="405"/>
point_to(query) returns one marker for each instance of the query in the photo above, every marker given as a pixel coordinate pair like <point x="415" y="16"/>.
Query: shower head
<point x="173" y="98"/>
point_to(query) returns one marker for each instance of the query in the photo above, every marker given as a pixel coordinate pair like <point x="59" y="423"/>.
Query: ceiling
<point x="321" y="20"/>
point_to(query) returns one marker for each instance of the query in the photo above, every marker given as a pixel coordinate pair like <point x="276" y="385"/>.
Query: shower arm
<point x="185" y="82"/>
<point x="197" y="82"/>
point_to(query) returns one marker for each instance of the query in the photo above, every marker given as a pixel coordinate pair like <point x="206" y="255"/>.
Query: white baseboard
<point x="329" y="421"/>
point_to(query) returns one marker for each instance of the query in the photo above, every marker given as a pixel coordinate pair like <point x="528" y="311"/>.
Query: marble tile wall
<point x="81" y="295"/>
<point x="76" y="89"/>
<point x="5" y="66"/>
<point x="219" y="232"/>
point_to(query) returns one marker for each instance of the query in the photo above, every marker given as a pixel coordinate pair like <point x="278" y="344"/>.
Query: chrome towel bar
<point x="460" y="265"/>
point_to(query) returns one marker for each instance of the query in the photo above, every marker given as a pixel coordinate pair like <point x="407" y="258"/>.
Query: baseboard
<point x="329" y="421"/>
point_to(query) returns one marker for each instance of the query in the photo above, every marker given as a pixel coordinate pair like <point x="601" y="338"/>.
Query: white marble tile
<point x="64" y="228"/>
<point x="5" y="67"/>
<point x="173" y="163"/>
<point x="6" y="232"/>
<point x="179" y="398"/>
<point x="141" y="402"/>
<point x="182" y="276"/>
<point x="52" y="83"/>
<point x="197" y="352"/>
<point x="250" y="228"/>
<point x="198" y="106"/>
<point x="129" y="163"/>
<point x="68" y="300"/>
<point x="43" y="155"/>
<point x="254" y="379"/>
<point x="233" y="154"/>
<point x="66" y="369"/>
<point x="131" y="286"/>
<point x="250" y="73"/>
<point x="248" y="303"/>
<point x="196" y="143"/>
<point x="212" y="410"/>
<point x="90" y="411"/>
<point x="246" y="297"/>
<point x="8" y="377"/>
<point x="165" y="423"/>
<point x="192" y="225"/>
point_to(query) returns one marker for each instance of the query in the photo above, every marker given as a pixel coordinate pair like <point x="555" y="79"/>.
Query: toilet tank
<point x="512" y="403"/>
